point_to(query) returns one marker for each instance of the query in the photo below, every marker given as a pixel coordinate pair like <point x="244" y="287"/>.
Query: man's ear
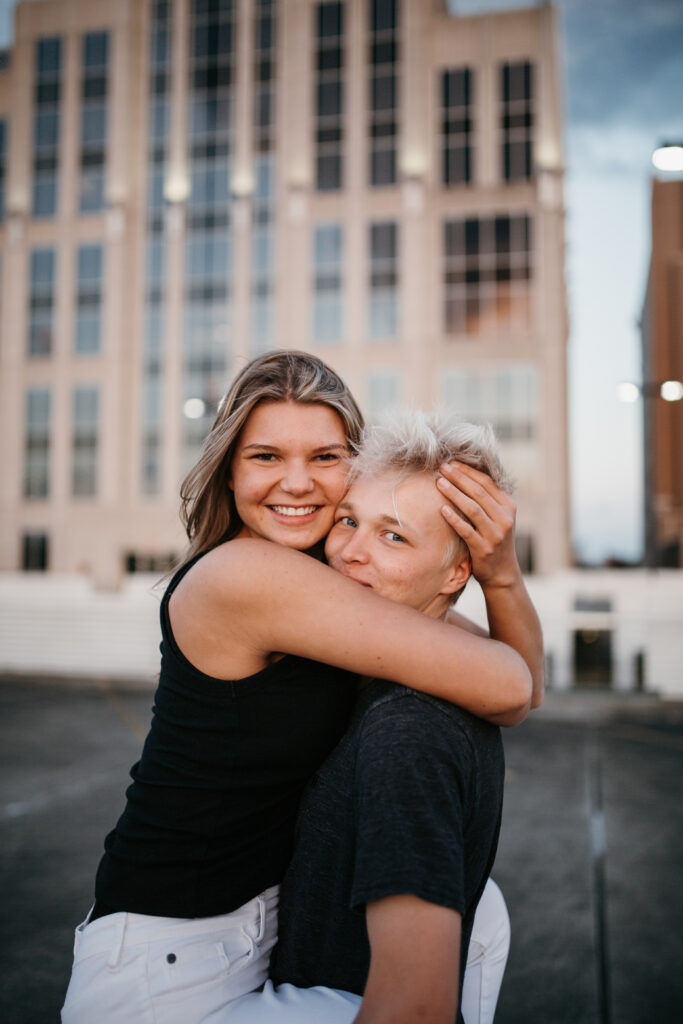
<point x="457" y="574"/>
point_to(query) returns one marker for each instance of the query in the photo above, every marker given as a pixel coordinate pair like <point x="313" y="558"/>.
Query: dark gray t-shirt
<point x="408" y="802"/>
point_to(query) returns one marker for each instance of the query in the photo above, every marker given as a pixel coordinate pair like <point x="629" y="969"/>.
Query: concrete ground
<point x="589" y="860"/>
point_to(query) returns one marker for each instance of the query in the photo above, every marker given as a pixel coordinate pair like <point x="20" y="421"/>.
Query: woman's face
<point x="289" y="472"/>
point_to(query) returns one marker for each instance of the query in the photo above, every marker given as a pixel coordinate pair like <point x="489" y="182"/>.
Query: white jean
<point x="486" y="959"/>
<point x="135" y="969"/>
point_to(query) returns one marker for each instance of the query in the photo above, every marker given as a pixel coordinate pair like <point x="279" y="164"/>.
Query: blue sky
<point x="623" y="74"/>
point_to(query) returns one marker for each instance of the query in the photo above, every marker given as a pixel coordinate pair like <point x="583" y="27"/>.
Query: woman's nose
<point x="297" y="479"/>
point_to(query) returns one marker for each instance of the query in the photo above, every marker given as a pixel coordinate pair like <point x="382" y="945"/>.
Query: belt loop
<point x="262" y="919"/>
<point x="114" y="960"/>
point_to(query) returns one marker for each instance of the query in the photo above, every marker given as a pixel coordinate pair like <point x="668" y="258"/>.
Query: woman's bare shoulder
<point x="246" y="566"/>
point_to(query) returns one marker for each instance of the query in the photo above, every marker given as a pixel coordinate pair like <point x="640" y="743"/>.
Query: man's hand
<point x="414" y="963"/>
<point x="492" y="512"/>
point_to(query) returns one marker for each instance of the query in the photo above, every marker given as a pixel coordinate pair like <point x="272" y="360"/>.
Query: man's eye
<point x="396" y="537"/>
<point x="347" y="521"/>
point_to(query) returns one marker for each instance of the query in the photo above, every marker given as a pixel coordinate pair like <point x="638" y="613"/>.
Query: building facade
<point x="662" y="334"/>
<point x="185" y="184"/>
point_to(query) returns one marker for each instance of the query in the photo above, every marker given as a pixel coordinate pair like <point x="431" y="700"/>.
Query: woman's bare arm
<point x="249" y="598"/>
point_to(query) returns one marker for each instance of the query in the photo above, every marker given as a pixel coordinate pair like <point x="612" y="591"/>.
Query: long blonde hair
<point x="208" y="507"/>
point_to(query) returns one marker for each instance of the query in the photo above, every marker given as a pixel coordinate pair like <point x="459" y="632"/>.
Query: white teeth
<point x="294" y="510"/>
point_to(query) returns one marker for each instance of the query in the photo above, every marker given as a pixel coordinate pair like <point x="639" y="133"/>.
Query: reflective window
<point x="328" y="240"/>
<point x="329" y="95"/>
<point x="507" y="397"/>
<point x="383" y="391"/>
<point x="263" y="239"/>
<point x="517" y="120"/>
<point x="383" y="89"/>
<point x="488" y="275"/>
<point x="383" y="285"/>
<point x="457" y="121"/>
<point x="41" y="302"/>
<point x="85" y="441"/>
<point x="37" y="443"/>
<point x="158" y="112"/>
<point x="208" y="242"/>
<point x="46" y="126"/>
<point x="89" y="299"/>
<point x="94" y="88"/>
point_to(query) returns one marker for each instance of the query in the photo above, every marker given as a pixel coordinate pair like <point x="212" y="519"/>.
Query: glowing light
<point x="176" y="188"/>
<point x="628" y="392"/>
<point x="194" y="408"/>
<point x="668" y="157"/>
<point x="242" y="184"/>
<point x="671" y="391"/>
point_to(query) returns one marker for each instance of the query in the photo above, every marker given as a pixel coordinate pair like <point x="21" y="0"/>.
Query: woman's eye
<point x="327" y="457"/>
<point x="264" y="457"/>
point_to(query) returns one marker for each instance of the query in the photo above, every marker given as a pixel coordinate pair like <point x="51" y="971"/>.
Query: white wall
<point x="61" y="625"/>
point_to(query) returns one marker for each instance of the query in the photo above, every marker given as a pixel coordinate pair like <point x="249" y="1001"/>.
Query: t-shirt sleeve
<point x="413" y="774"/>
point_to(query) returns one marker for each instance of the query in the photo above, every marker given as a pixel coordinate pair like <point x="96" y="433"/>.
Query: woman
<point x="185" y="911"/>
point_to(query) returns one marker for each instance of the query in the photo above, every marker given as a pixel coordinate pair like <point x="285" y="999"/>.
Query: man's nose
<point x="355" y="549"/>
<point x="297" y="479"/>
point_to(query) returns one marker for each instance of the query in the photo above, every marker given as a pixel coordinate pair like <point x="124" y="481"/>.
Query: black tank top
<point x="210" y="814"/>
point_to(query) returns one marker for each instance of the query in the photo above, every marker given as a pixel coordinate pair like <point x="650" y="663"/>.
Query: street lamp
<point x="668" y="156"/>
<point x="669" y="390"/>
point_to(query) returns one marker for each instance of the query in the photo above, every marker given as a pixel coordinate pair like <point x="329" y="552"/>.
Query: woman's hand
<point x="491" y="536"/>
<point x="491" y="542"/>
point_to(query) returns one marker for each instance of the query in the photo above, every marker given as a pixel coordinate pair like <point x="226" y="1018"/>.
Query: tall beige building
<point x="187" y="183"/>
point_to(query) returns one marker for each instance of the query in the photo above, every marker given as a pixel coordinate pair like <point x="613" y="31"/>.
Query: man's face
<point x="389" y="535"/>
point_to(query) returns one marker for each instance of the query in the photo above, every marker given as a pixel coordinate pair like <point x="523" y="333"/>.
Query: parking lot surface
<point x="589" y="861"/>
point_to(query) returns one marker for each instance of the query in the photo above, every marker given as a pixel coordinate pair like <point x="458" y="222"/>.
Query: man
<point x="398" y="831"/>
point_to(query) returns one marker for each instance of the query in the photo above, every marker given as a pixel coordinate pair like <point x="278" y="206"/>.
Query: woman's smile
<point x="289" y="472"/>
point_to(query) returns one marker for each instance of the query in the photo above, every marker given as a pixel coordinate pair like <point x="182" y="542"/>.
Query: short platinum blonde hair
<point x="409" y="441"/>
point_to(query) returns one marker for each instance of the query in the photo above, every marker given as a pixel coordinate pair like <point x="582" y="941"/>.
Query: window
<point x="262" y="298"/>
<point x="487" y="275"/>
<point x="89" y="299"/>
<point x="383" y="302"/>
<point x="85" y="441"/>
<point x="383" y="89"/>
<point x="457" y="103"/>
<point x="94" y="88"/>
<point x="329" y="96"/>
<point x="34" y="552"/>
<point x="517" y="121"/>
<point x="158" y="110"/>
<point x="206" y="334"/>
<point x="41" y="302"/>
<point x="37" y="443"/>
<point x="327" y="282"/>
<point x="384" y="391"/>
<point x="46" y="126"/>
<point x="507" y="397"/>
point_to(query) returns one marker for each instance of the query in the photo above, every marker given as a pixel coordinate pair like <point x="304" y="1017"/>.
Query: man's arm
<point x="414" y="962"/>
<point x="491" y="542"/>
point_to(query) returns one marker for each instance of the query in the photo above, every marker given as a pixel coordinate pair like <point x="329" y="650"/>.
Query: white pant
<point x="135" y="969"/>
<point x="486" y="961"/>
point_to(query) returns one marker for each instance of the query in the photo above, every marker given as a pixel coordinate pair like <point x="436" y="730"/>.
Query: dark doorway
<point x="592" y="657"/>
